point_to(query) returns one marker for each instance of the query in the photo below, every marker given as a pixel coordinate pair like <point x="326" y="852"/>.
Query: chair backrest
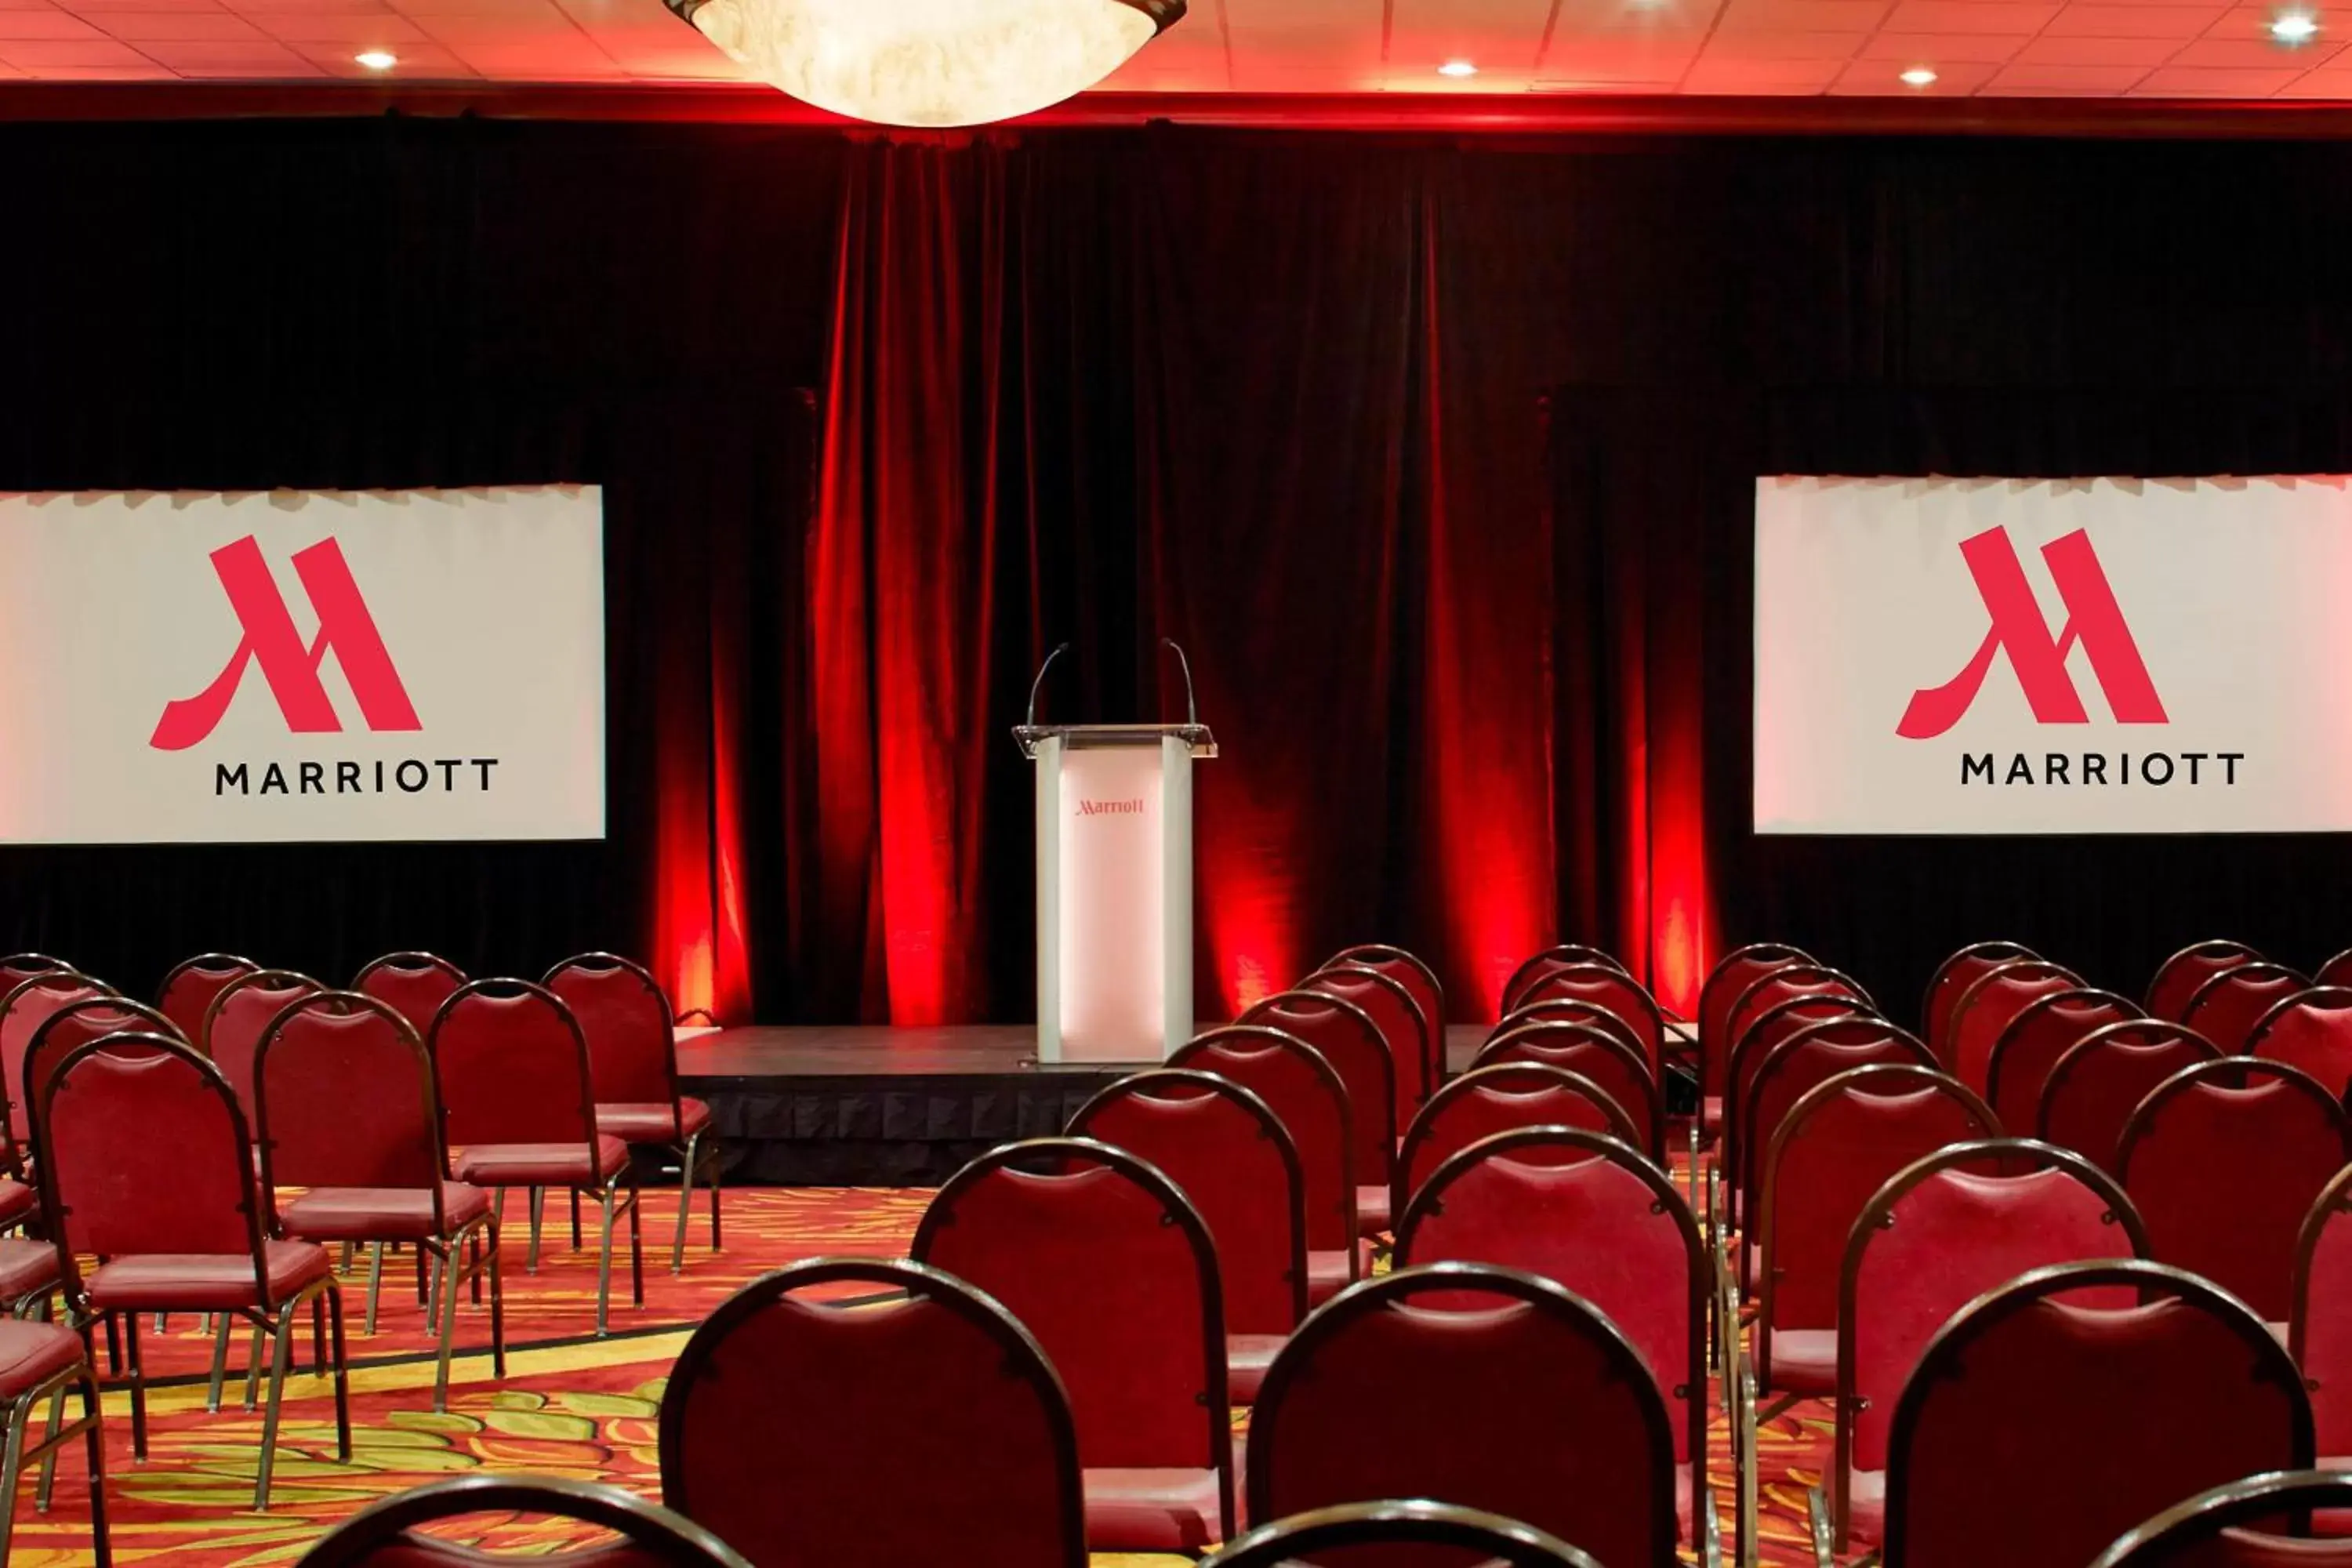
<point x="1733" y="973"/>
<point x="395" y="1533"/>
<point x="189" y="989"/>
<point x="512" y="1067"/>
<point x="415" y="984"/>
<point x="1596" y="1053"/>
<point x="1349" y="1528"/>
<point x="1228" y="1151"/>
<point x="1767" y="994"/>
<point x="2037" y="1429"/>
<point x="2224" y="1160"/>
<point x="1951" y="980"/>
<point x="68" y="1026"/>
<point x="2100" y="1081"/>
<point x="1812" y="1056"/>
<point x="236" y="1017"/>
<point x="1943" y="1231"/>
<point x="622" y="1012"/>
<point x="1590" y="1213"/>
<point x="1498" y="1098"/>
<point x="2043" y="1030"/>
<point x="1836" y="1148"/>
<point x="1392" y="1010"/>
<point x="2336" y="971"/>
<point x="1766" y="1031"/>
<point x="2312" y="1030"/>
<point x="2176" y="980"/>
<point x="1533" y="971"/>
<point x="2226" y="1009"/>
<point x="1303" y="1091"/>
<point x="1611" y="988"/>
<point x="1357" y="1052"/>
<point x="2319" y="1332"/>
<point x="1986" y="1007"/>
<point x="2218" y="1528"/>
<point x="1415" y="976"/>
<point x="1565" y="1010"/>
<point x="929" y="1428"/>
<point x="29" y="1003"/>
<point x="142" y="1149"/>
<point x="1383" y="1395"/>
<point x="342" y="1097"/>
<point x="1107" y="1262"/>
<point x="19" y="967"/>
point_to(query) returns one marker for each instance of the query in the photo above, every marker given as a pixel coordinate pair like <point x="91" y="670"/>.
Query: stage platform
<point x="844" y="1105"/>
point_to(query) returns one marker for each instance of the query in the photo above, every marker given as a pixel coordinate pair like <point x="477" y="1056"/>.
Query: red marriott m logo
<point x="2093" y="618"/>
<point x="292" y="669"/>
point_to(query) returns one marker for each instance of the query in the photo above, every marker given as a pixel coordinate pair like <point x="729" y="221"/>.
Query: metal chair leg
<point x="253" y="1368"/>
<point x="376" y="1283"/>
<point x="343" y="1375"/>
<point x="717" y="1170"/>
<point x="636" y="1239"/>
<point x="444" y="1285"/>
<point x="686" y="1172"/>
<point x="605" y="1267"/>
<point x="94" y="1443"/>
<point x="12" y="1464"/>
<point x="575" y="1219"/>
<point x="138" y="1374"/>
<point x="281" y="1350"/>
<point x="221" y="1336"/>
<point x="537" y="1204"/>
<point x="498" y="1303"/>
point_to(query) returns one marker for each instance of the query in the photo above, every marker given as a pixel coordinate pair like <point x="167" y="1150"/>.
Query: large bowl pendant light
<point x="932" y="62"/>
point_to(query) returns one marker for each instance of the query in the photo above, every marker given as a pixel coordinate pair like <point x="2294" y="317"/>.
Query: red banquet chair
<point x="2043" y="1030"/>
<point x="1943" y="1231"/>
<point x="1733" y="973"/>
<point x="2037" y="1428"/>
<point x="926" y="1427"/>
<point x="1301" y="1089"/>
<point x="237" y="1014"/>
<point x="1419" y="980"/>
<point x="1605" y="985"/>
<point x="1359" y="1053"/>
<point x="19" y="967"/>
<point x="1448" y="1381"/>
<point x="143" y="1152"/>
<point x="39" y="1363"/>
<point x="2319" y="1332"/>
<point x="1593" y="1053"/>
<point x="1837" y="1146"/>
<point x="188" y="990"/>
<point x="1591" y="1215"/>
<point x="345" y="1108"/>
<point x="72" y="1025"/>
<point x="1950" y="983"/>
<point x="1812" y="1056"/>
<point x="1351" y="1528"/>
<point x="2228" y="1006"/>
<point x="1392" y="1010"/>
<point x="1561" y="1011"/>
<point x="512" y="1070"/>
<point x="411" y="1528"/>
<point x="2226" y="1527"/>
<point x="2177" y="979"/>
<point x="2224" y="1161"/>
<point x="1769" y="996"/>
<point x="28" y="1004"/>
<point x="633" y="1059"/>
<point x="1498" y="1098"/>
<point x="2093" y="1089"/>
<point x="1988" y="1007"/>
<point x="1533" y="971"/>
<point x="2336" y="971"/>
<point x="2312" y="1030"/>
<point x="1111" y="1266"/>
<point x="413" y="985"/>
<point x="1229" y="1152"/>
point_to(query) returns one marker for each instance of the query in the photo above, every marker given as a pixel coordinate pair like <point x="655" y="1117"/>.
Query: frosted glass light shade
<point x="932" y="62"/>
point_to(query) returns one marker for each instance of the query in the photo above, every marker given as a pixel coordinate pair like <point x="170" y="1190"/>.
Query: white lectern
<point x="1114" y="887"/>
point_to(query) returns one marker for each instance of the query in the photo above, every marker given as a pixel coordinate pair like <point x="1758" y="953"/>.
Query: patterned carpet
<point x="572" y="1405"/>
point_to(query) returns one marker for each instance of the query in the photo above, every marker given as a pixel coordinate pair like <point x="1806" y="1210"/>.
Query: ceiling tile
<point x="1879" y="77"/>
<point x="36" y="4"/>
<point x="418" y="61"/>
<point x="17" y="25"/>
<point x="2067" y="81"/>
<point x="307" y="7"/>
<point x="2178" y="81"/>
<point x="539" y="59"/>
<point x="1785" y="46"/>
<point x="35" y="55"/>
<point x="178" y="26"/>
<point x="1584" y="60"/>
<point x="1940" y="49"/>
<point x="1188" y="58"/>
<point x="2333" y="82"/>
<point x="2257" y="54"/>
<point x="1968" y="17"/>
<point x="2133" y="21"/>
<point x="1723" y="74"/>
<point x="358" y="29"/>
<point x="257" y="59"/>
<point x="1802" y="16"/>
<point x="148" y="71"/>
<point x="1498" y="35"/>
<point x="2052" y="50"/>
<point x="506" y="27"/>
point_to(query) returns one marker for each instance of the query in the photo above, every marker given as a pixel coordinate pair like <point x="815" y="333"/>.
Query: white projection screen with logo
<point x="2070" y="655"/>
<point x="309" y="667"/>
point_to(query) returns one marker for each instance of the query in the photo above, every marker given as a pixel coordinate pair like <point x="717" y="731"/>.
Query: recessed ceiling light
<point x="1457" y="67"/>
<point x="377" y="59"/>
<point x="1918" y="76"/>
<point x="2294" y="27"/>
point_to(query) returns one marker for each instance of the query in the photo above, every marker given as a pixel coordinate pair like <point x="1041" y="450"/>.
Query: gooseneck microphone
<point x="1040" y="682"/>
<point x="1191" y="714"/>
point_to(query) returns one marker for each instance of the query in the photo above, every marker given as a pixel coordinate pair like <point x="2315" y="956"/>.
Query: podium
<point x="1114" y="887"/>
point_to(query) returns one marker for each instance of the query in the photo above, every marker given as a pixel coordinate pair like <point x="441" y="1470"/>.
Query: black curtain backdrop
<point x="1436" y="453"/>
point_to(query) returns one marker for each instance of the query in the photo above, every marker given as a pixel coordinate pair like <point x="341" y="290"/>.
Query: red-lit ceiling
<point x="2141" y="48"/>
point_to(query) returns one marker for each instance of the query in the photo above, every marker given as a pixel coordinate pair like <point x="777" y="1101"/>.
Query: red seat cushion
<point x="17" y="1202"/>
<point x="203" y="1281"/>
<point x="378" y="1213"/>
<point x="1372" y="1210"/>
<point x="652" y="1123"/>
<point x="1328" y="1275"/>
<point x="540" y="1165"/>
<point x="1804" y="1361"/>
<point x="1246" y="1358"/>
<point x="27" y="1268"/>
<point x="31" y="1353"/>
<point x="1151" y="1510"/>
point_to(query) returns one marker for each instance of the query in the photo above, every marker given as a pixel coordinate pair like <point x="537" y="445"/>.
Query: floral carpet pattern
<point x="572" y="1405"/>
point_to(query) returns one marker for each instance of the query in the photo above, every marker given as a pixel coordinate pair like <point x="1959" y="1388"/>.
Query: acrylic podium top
<point x="1195" y="736"/>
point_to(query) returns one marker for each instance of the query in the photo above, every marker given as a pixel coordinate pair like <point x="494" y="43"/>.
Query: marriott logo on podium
<point x="1111" y="807"/>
